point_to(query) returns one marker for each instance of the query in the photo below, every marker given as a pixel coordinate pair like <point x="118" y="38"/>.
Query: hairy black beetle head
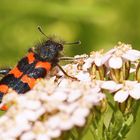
<point x="49" y="50"/>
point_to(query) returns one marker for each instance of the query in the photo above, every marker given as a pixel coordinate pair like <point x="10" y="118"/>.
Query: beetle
<point x="35" y="65"/>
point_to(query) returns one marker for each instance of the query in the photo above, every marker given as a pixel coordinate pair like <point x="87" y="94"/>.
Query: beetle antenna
<point x="71" y="43"/>
<point x="41" y="31"/>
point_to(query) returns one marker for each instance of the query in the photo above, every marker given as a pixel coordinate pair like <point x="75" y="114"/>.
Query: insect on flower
<point x="35" y="65"/>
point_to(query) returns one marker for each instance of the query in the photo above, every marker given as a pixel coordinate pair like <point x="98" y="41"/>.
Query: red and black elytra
<point x="35" y="65"/>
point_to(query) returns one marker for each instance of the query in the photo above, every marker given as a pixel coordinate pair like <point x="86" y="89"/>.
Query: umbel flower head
<point x="59" y="105"/>
<point x="121" y="53"/>
<point x="50" y="108"/>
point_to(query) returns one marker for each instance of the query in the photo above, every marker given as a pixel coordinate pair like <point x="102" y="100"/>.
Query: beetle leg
<point x="4" y="71"/>
<point x="74" y="78"/>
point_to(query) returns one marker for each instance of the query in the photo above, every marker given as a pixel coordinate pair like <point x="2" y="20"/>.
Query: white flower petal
<point x="98" y="61"/>
<point x="83" y="76"/>
<point x="66" y="124"/>
<point x="64" y="83"/>
<point x="129" y="83"/>
<point x="135" y="92"/>
<point x="42" y="137"/>
<point x="94" y="98"/>
<point x="105" y="58"/>
<point x="74" y="95"/>
<point x="55" y="133"/>
<point x="20" y="128"/>
<point x="81" y="112"/>
<point x="68" y="108"/>
<point x="132" y="55"/>
<point x="88" y="63"/>
<point x="121" y="96"/>
<point x="53" y="122"/>
<point x="111" y="85"/>
<point x="32" y="104"/>
<point x="78" y="120"/>
<point x="115" y="62"/>
<point x="59" y="95"/>
<point x="28" y="136"/>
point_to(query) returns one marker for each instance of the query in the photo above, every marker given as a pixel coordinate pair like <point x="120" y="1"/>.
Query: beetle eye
<point x="60" y="47"/>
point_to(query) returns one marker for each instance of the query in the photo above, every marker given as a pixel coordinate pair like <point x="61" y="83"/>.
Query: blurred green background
<point x="97" y="23"/>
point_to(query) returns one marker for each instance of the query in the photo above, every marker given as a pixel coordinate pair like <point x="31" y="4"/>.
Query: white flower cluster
<point x="123" y="91"/>
<point x="58" y="103"/>
<point x="49" y="109"/>
<point x="113" y="59"/>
